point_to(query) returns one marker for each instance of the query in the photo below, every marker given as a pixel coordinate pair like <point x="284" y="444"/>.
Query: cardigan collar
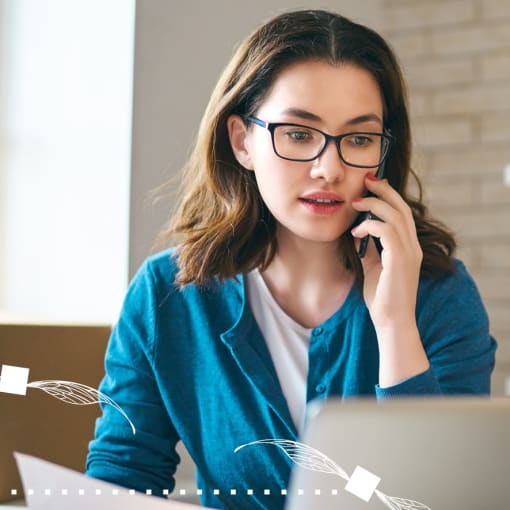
<point x="249" y="349"/>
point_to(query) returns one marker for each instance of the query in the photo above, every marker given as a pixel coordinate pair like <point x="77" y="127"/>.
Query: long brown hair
<point x="221" y="225"/>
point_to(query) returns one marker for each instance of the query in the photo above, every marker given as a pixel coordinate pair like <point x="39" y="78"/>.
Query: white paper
<point x="49" y="486"/>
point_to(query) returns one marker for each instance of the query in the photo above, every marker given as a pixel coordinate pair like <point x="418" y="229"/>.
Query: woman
<point x="265" y="304"/>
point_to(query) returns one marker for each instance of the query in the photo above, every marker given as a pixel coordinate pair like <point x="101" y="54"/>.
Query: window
<point x="65" y="135"/>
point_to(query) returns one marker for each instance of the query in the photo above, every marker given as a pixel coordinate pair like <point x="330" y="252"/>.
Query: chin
<point x="321" y="237"/>
<point x="312" y="233"/>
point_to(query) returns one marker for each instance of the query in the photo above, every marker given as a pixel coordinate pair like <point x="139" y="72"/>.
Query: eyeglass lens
<point x="302" y="143"/>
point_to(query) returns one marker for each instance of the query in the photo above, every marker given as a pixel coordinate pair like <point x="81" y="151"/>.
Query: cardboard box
<point x="39" y="424"/>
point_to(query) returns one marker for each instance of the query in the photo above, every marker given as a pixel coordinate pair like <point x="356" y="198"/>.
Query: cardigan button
<point x="317" y="331"/>
<point x="320" y="388"/>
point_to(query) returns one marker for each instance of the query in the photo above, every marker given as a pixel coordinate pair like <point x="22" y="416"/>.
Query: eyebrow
<point x="369" y="117"/>
<point x="306" y="115"/>
<point x="302" y="114"/>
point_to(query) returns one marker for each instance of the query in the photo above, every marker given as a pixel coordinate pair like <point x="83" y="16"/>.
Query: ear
<point x="238" y="135"/>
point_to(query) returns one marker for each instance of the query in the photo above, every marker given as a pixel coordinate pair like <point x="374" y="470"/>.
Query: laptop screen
<point x="441" y="454"/>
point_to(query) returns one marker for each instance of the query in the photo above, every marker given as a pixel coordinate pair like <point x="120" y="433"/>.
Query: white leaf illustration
<point x="303" y="455"/>
<point x="309" y="458"/>
<point x="400" y="503"/>
<point x="77" y="394"/>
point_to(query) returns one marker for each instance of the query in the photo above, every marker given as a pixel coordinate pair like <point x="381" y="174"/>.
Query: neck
<point x="308" y="279"/>
<point x="303" y="261"/>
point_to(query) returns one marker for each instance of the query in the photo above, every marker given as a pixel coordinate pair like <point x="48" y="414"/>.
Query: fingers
<point x="388" y="206"/>
<point x="385" y="232"/>
<point x="382" y="189"/>
<point x="394" y="225"/>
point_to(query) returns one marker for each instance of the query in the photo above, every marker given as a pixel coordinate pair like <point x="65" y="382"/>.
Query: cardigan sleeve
<point x="454" y="328"/>
<point x="146" y="460"/>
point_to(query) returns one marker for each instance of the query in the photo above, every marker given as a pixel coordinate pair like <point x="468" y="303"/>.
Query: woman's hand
<point x="391" y="280"/>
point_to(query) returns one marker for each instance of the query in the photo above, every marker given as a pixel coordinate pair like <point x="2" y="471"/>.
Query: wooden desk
<point x="37" y="423"/>
<point x="13" y="505"/>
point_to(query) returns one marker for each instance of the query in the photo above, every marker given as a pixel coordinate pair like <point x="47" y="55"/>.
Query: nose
<point x="328" y="165"/>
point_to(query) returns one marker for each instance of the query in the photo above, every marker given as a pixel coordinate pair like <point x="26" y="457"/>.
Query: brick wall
<point x="456" y="59"/>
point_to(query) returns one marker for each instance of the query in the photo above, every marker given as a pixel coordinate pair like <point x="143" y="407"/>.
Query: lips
<point x="322" y="197"/>
<point x="323" y="203"/>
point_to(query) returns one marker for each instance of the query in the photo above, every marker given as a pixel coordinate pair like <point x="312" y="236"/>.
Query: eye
<point x="299" y="135"/>
<point x="360" y="140"/>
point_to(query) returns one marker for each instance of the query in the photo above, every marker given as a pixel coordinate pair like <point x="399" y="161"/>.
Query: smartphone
<point x="367" y="215"/>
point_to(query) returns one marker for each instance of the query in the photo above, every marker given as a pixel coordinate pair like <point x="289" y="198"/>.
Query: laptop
<point x="407" y="454"/>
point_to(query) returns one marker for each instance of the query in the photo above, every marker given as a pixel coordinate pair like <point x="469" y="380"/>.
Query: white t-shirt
<point x="287" y="342"/>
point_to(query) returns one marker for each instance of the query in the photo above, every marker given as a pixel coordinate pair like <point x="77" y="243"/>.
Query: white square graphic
<point x="14" y="379"/>
<point x="362" y="483"/>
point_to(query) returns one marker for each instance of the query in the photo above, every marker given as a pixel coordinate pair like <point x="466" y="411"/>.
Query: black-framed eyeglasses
<point x="296" y="142"/>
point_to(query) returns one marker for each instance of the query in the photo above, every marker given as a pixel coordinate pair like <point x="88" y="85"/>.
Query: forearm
<point x="401" y="354"/>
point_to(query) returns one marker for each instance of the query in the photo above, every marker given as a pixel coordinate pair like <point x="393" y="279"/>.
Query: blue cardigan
<point x="192" y="365"/>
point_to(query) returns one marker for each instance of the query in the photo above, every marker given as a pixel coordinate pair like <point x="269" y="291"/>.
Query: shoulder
<point x="158" y="273"/>
<point x="161" y="267"/>
<point x="454" y="292"/>
<point x="458" y="279"/>
<point x="154" y="277"/>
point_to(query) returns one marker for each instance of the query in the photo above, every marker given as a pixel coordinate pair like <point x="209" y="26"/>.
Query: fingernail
<point x="357" y="199"/>
<point x="372" y="177"/>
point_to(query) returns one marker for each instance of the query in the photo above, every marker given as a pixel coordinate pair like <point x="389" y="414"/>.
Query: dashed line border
<point x="166" y="492"/>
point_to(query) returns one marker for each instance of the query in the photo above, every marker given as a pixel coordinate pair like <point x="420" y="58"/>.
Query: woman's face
<point x="336" y="99"/>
